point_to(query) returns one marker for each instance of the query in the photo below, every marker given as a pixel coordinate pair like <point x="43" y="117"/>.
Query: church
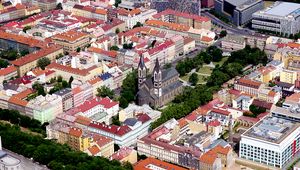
<point x="161" y="88"/>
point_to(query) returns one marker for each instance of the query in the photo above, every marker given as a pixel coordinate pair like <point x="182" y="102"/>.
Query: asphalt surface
<point x="231" y="28"/>
<point x="26" y="163"/>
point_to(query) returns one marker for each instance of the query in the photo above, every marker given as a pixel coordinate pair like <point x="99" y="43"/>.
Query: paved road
<point x="231" y="28"/>
<point x="26" y="163"/>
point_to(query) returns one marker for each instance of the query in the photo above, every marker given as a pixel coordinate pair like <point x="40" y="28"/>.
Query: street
<point x="26" y="163"/>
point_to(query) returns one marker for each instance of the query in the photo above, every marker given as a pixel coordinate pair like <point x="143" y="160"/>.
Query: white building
<point x="45" y="108"/>
<point x="282" y="17"/>
<point x="272" y="141"/>
<point x="131" y="18"/>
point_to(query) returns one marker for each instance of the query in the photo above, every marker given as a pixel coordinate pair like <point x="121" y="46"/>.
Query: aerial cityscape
<point x="149" y="85"/>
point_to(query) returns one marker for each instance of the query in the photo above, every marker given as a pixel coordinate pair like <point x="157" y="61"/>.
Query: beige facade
<point x="70" y="43"/>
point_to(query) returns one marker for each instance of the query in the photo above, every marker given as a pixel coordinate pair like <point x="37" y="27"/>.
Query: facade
<point x="277" y="20"/>
<point x="233" y="43"/>
<point x="272" y="141"/>
<point x="45" y="5"/>
<point x="125" y="154"/>
<point x="89" y="12"/>
<point x="67" y="98"/>
<point x="131" y="18"/>
<point x="161" y="88"/>
<point x="238" y="12"/>
<point x="8" y="73"/>
<point x="288" y="76"/>
<point x="187" y="19"/>
<point x="71" y="40"/>
<point x="45" y="108"/>
<point x="248" y="86"/>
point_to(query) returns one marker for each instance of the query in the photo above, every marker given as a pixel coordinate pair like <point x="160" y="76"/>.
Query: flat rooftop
<point x="272" y="129"/>
<point x="241" y="3"/>
<point x="283" y="9"/>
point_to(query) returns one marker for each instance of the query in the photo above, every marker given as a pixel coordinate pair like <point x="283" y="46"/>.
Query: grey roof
<point x="217" y="142"/>
<point x="10" y="86"/>
<point x="142" y="62"/>
<point x="274" y="62"/>
<point x="171" y="87"/>
<point x="130" y="121"/>
<point x="63" y="91"/>
<point x="284" y="9"/>
<point x="237" y="2"/>
<point x="2" y="153"/>
<point x="284" y="84"/>
<point x="157" y="66"/>
<point x="169" y="73"/>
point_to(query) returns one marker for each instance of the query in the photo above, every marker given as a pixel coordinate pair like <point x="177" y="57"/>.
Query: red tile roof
<point x="113" y="129"/>
<point x="94" y="150"/>
<point x="181" y="14"/>
<point x="81" y="72"/>
<point x="89" y="104"/>
<point x="122" y="153"/>
<point x="8" y="70"/>
<point x="208" y="158"/>
<point x="70" y="36"/>
<point x="77" y="132"/>
<point x="249" y="83"/>
<point x="172" y="26"/>
<point x="112" y="54"/>
<point x="219" y="111"/>
<point x="214" y="123"/>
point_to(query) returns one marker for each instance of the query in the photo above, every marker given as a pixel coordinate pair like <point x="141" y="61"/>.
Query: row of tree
<point x="211" y="54"/>
<point x="52" y="154"/>
<point x="15" y="117"/>
<point x="191" y="98"/>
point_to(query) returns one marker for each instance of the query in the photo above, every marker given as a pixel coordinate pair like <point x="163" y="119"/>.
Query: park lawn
<point x="221" y="62"/>
<point x="201" y="79"/>
<point x="186" y="77"/>
<point x="205" y="70"/>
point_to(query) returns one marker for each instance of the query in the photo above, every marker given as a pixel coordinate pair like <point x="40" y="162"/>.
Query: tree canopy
<point x="105" y="91"/>
<point x="43" y="62"/>
<point x="129" y="89"/>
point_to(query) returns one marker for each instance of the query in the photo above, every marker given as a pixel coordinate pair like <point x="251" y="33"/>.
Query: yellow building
<point x="29" y="62"/>
<point x="77" y="140"/>
<point x="72" y="40"/>
<point x="288" y="76"/>
<point x="101" y="146"/>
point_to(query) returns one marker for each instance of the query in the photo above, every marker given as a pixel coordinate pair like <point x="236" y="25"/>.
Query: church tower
<point x="142" y="72"/>
<point x="157" y="79"/>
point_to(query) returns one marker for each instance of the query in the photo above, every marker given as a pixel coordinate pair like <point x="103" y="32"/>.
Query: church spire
<point x="142" y="72"/>
<point x="157" y="66"/>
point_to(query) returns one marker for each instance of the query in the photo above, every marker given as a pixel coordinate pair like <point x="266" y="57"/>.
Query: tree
<point x="194" y="79"/>
<point x="233" y="69"/>
<point x="115" y="120"/>
<point x="39" y="88"/>
<point x="129" y="89"/>
<point x="43" y="62"/>
<point x="70" y="81"/>
<point x="215" y="53"/>
<point x="128" y="46"/>
<point x="59" y="6"/>
<point x="26" y="28"/>
<point x="138" y="24"/>
<point x="117" y="30"/>
<point x="3" y="63"/>
<point x="65" y="84"/>
<point x="223" y="33"/>
<point x="167" y="65"/>
<point x="117" y="2"/>
<point x="114" y="48"/>
<point x="104" y="91"/>
<point x="59" y="79"/>
<point x="256" y="110"/>
<point x="78" y="49"/>
<point x="24" y="52"/>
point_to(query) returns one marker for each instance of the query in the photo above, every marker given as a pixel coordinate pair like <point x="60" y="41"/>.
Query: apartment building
<point x="210" y="160"/>
<point x="12" y="13"/>
<point x="233" y="42"/>
<point x="281" y="17"/>
<point x="89" y="12"/>
<point x="8" y="73"/>
<point x="45" y="108"/>
<point x="131" y="18"/>
<point x="125" y="135"/>
<point x="82" y="93"/>
<point x="288" y="76"/>
<point x="248" y="86"/>
<point x="67" y="98"/>
<point x="125" y="154"/>
<point x="72" y="40"/>
<point x="45" y="5"/>
<point x="272" y="141"/>
<point x="101" y="146"/>
<point x="190" y="20"/>
<point x="18" y="102"/>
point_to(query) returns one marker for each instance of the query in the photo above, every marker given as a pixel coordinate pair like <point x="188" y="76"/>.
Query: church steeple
<point x="157" y="78"/>
<point x="142" y="71"/>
